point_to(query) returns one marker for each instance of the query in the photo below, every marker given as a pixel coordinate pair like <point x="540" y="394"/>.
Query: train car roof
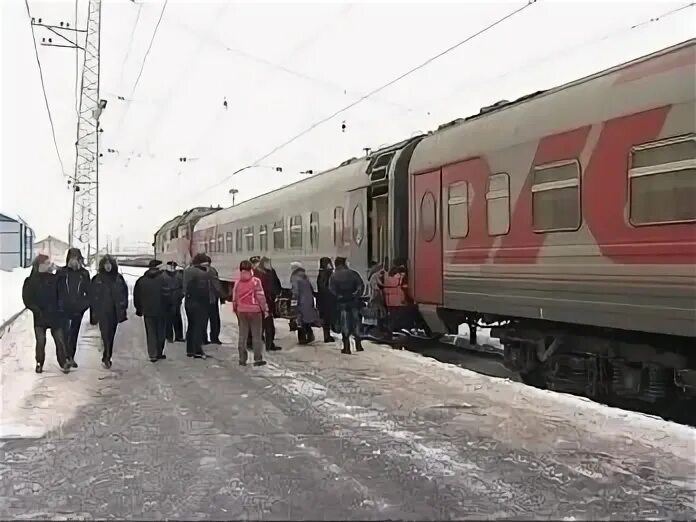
<point x="299" y="189"/>
<point x="491" y="120"/>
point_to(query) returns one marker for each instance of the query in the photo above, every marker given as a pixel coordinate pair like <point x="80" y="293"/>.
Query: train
<point x="565" y="218"/>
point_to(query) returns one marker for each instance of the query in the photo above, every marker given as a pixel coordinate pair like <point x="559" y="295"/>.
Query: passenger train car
<point x="567" y="218"/>
<point x="357" y="210"/>
<point x="173" y="239"/>
<point x="571" y="214"/>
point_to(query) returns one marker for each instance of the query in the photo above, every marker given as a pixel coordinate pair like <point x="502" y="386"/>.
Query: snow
<point x="593" y="417"/>
<point x="33" y="405"/>
<point x="11" y="292"/>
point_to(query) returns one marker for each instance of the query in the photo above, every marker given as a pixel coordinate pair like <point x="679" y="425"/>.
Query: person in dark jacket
<point x="326" y="301"/>
<point x="174" y="327"/>
<point x="108" y="303"/>
<point x="75" y="281"/>
<point x="303" y="302"/>
<point x="271" y="288"/>
<point x="151" y="301"/>
<point x="216" y="297"/>
<point x="43" y="295"/>
<point x="196" y="304"/>
<point x="348" y="287"/>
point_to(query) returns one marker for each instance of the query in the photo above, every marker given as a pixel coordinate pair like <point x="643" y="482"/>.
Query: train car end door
<point x="427" y="238"/>
<point x="356" y="221"/>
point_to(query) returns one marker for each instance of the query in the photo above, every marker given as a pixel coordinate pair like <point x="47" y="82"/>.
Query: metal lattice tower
<point x="84" y="224"/>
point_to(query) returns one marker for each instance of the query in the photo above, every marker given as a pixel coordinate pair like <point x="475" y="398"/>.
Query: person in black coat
<point x="174" y="328"/>
<point x="42" y="295"/>
<point x="326" y="301"/>
<point x="196" y="304"/>
<point x="216" y="297"/>
<point x="108" y="303"/>
<point x="151" y="301"/>
<point x="75" y="281"/>
<point x="348" y="287"/>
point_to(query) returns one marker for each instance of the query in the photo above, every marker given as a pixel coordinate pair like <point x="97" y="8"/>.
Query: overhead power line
<point x="142" y="66"/>
<point x="43" y="88"/>
<point x="152" y="40"/>
<point x="574" y="48"/>
<point x="130" y="41"/>
<point x="382" y="87"/>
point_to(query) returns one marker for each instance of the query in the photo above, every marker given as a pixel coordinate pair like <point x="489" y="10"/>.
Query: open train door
<point x="427" y="238"/>
<point x="356" y="225"/>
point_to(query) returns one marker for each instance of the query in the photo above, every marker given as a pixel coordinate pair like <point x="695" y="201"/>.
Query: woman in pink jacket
<point x="249" y="303"/>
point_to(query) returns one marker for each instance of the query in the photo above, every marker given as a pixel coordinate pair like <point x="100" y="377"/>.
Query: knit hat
<point x="295" y="265"/>
<point x="154" y="263"/>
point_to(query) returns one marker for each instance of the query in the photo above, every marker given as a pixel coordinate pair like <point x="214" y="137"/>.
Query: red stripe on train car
<point x="606" y="195"/>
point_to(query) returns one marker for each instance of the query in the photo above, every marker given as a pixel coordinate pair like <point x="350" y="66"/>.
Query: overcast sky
<point x="281" y="67"/>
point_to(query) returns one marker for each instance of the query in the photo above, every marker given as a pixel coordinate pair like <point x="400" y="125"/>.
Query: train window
<point x="185" y="233"/>
<point x="238" y="238"/>
<point x="338" y="227"/>
<point x="220" y="246"/>
<point x="556" y="197"/>
<point x="314" y="230"/>
<point x="662" y="182"/>
<point x="263" y="238"/>
<point x="229" y="243"/>
<point x="498" y="204"/>
<point x="457" y="210"/>
<point x="296" y="232"/>
<point x="249" y="235"/>
<point x="279" y="235"/>
<point x="211" y="245"/>
<point x="428" y="217"/>
<point x="358" y="225"/>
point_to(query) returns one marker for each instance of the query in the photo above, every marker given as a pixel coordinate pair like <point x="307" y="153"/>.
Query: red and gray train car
<point x="567" y="218"/>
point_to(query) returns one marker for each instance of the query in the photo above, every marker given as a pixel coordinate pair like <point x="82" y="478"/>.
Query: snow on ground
<point x="32" y="404"/>
<point x="11" y="292"/>
<point x="593" y="417"/>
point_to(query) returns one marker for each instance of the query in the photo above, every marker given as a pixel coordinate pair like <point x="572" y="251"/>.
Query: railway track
<point x="487" y="359"/>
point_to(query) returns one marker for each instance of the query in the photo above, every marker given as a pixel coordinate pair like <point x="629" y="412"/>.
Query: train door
<point x="427" y="238"/>
<point x="379" y="224"/>
<point x="356" y="218"/>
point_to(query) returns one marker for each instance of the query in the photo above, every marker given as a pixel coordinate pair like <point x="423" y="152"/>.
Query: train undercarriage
<point x="644" y="372"/>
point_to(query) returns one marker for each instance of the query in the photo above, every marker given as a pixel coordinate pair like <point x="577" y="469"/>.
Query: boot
<point x="327" y="335"/>
<point x="358" y="346"/>
<point x="346" y="346"/>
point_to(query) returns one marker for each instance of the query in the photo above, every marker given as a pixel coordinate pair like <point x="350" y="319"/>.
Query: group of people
<point x="342" y="302"/>
<point x="58" y="300"/>
<point x="157" y="298"/>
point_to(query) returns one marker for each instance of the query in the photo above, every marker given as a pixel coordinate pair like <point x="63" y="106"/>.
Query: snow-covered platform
<point x="381" y="434"/>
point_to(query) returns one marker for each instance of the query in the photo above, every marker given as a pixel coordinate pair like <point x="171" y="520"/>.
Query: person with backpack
<point x="151" y="301"/>
<point x="196" y="304"/>
<point x="75" y="282"/>
<point x="249" y="303"/>
<point x="108" y="304"/>
<point x="42" y="294"/>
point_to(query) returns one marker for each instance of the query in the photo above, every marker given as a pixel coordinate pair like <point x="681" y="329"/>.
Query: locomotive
<point x="566" y="218"/>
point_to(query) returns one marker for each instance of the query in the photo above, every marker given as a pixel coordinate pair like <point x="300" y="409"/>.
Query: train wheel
<point x="534" y="378"/>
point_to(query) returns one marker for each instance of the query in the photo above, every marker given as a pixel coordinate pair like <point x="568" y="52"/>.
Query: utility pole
<point x="85" y="211"/>
<point x="84" y="223"/>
